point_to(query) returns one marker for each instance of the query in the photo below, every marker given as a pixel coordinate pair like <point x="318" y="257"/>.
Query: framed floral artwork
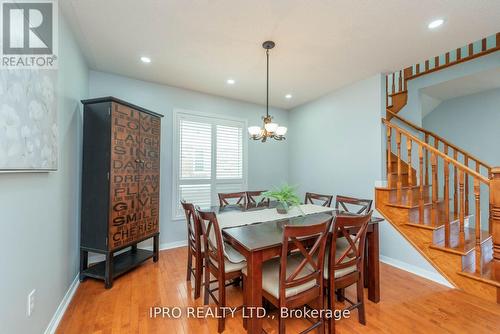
<point x="28" y="120"/>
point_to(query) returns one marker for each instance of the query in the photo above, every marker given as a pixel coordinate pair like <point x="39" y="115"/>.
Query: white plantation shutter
<point x="209" y="158"/>
<point x="196" y="150"/>
<point x="229" y="152"/>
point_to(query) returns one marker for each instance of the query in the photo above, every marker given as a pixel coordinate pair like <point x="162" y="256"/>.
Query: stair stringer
<point x="447" y="264"/>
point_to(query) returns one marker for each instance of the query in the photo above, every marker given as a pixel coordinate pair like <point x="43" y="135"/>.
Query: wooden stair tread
<point x="402" y="188"/>
<point x="403" y="204"/>
<point x="429" y="222"/>
<point x="468" y="246"/>
<point x="398" y="93"/>
<point x="490" y="273"/>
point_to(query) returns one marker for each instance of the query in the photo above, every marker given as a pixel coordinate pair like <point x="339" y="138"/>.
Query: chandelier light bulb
<point x="254" y="130"/>
<point x="281" y="130"/>
<point x="271" y="127"/>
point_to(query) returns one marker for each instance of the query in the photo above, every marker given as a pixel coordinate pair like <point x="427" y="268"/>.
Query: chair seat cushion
<point x="233" y="254"/>
<point x="341" y="245"/>
<point x="230" y="266"/>
<point x="271" y="276"/>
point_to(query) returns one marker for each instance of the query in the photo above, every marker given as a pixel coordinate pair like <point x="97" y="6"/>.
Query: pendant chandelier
<point x="270" y="129"/>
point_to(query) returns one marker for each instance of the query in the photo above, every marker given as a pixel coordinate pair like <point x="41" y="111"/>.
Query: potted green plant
<point x="285" y="197"/>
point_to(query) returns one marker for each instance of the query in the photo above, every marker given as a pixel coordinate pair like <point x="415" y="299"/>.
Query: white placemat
<point x="240" y="218"/>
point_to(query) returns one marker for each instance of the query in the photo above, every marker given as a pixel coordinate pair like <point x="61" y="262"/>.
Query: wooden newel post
<point x="495" y="210"/>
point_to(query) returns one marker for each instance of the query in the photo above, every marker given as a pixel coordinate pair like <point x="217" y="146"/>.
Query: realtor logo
<point x="29" y="34"/>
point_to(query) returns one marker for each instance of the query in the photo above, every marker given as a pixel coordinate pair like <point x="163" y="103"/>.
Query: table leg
<point x="254" y="291"/>
<point x="373" y="265"/>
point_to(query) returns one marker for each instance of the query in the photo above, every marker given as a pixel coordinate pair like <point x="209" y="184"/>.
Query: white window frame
<point x="178" y="114"/>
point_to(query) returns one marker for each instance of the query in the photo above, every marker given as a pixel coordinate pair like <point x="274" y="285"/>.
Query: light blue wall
<point x="40" y="211"/>
<point x="335" y="141"/>
<point x="267" y="162"/>
<point x="413" y="110"/>
<point x="472" y="123"/>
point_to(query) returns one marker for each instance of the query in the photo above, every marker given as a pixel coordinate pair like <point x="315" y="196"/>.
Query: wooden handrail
<point x="435" y="151"/>
<point x="441" y="139"/>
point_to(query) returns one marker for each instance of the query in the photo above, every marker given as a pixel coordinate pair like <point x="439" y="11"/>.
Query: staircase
<point x="441" y="215"/>
<point x="434" y="192"/>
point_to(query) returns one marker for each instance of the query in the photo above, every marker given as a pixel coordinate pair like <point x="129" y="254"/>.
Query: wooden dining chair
<point x="344" y="266"/>
<point x="217" y="264"/>
<point x="358" y="206"/>
<point x="195" y="248"/>
<point x="239" y="198"/>
<point x="296" y="280"/>
<point x="343" y="203"/>
<point x="251" y="200"/>
<point x="324" y="200"/>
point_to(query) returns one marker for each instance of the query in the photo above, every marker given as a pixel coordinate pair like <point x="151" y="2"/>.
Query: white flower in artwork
<point x="25" y="132"/>
<point x="46" y="89"/>
<point x="9" y="116"/>
<point x="30" y="147"/>
<point x="54" y="130"/>
<point x="46" y="152"/>
<point x="36" y="110"/>
<point x="9" y="122"/>
<point x="28" y="130"/>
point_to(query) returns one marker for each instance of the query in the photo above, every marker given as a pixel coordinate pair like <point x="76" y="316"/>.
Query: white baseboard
<point x="56" y="318"/>
<point x="416" y="270"/>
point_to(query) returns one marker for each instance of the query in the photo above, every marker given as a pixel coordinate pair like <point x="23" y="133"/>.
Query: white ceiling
<point x="462" y="86"/>
<point x="321" y="45"/>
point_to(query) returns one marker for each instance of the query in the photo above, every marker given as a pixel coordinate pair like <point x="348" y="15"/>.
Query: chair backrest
<point x="363" y="206"/>
<point x="240" y="198"/>
<point x="324" y="200"/>
<point x="194" y="228"/>
<point x="251" y="200"/>
<point x="313" y="257"/>
<point x="212" y="238"/>
<point x="353" y="228"/>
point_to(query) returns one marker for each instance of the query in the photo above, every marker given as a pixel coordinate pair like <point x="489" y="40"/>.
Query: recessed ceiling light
<point x="436" y="23"/>
<point x="230" y="81"/>
<point x="146" y="60"/>
<point x="288" y="96"/>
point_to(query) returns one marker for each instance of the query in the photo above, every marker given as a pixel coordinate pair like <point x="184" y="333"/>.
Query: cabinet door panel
<point x="124" y="176"/>
<point x="149" y="189"/>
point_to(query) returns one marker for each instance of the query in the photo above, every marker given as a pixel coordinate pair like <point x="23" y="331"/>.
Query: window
<point x="209" y="157"/>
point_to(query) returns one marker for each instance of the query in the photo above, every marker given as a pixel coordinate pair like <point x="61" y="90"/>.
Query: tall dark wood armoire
<point x="120" y="186"/>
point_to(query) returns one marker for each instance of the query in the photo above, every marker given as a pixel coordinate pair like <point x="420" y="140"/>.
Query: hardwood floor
<point x="409" y="304"/>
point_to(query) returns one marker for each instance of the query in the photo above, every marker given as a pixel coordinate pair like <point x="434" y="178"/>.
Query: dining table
<point x="258" y="237"/>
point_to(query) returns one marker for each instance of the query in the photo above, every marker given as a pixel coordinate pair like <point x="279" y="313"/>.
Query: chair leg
<point x="221" y="305"/>
<point x="189" y="264"/>
<point x="281" y="324"/>
<point x="361" y="307"/>
<point x="321" y="306"/>
<point x="244" y="301"/>
<point x="207" y="283"/>
<point x="331" y="306"/>
<point x="198" y="276"/>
